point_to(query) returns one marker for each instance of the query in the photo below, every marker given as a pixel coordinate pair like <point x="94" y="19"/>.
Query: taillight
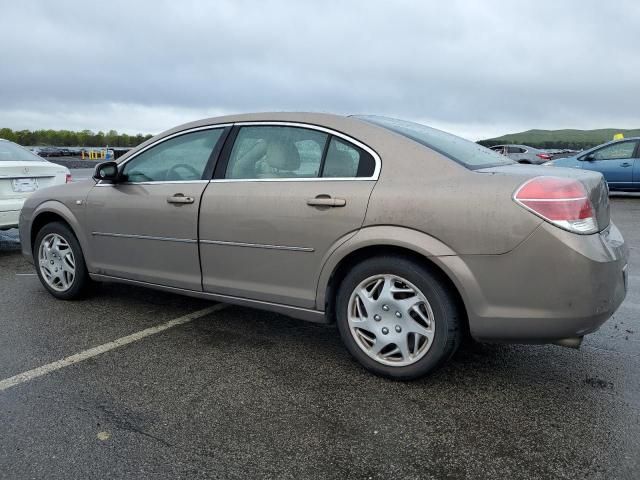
<point x="68" y="178"/>
<point x="543" y="156"/>
<point x="560" y="201"/>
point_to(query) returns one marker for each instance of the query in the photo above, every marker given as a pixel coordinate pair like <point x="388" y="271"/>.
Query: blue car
<point x="618" y="161"/>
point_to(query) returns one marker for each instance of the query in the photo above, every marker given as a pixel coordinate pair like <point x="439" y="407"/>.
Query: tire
<point x="416" y="354"/>
<point x="75" y="287"/>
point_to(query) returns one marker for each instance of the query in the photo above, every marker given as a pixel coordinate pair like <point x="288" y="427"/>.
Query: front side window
<point x="464" y="152"/>
<point x="617" y="151"/>
<point x="181" y="158"/>
<point x="276" y="152"/>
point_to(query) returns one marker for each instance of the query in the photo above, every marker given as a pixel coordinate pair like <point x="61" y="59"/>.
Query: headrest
<point x="339" y="164"/>
<point x="283" y="155"/>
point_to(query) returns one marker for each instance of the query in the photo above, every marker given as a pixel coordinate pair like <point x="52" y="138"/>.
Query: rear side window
<point x="345" y="160"/>
<point x="11" y="152"/>
<point x="464" y="152"/>
<point x="273" y="152"/>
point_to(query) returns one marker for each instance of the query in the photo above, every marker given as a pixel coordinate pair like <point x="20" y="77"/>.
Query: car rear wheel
<point x="60" y="263"/>
<point x="398" y="318"/>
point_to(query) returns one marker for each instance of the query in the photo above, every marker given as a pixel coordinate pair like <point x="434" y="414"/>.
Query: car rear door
<point x="284" y="196"/>
<point x="615" y="162"/>
<point x="515" y="153"/>
<point x="146" y="228"/>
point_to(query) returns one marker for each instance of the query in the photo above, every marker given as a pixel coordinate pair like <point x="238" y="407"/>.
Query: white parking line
<point x="95" y="351"/>
<point x="26" y="274"/>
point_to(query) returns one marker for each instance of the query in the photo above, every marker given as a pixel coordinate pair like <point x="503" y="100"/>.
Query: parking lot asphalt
<point x="239" y="393"/>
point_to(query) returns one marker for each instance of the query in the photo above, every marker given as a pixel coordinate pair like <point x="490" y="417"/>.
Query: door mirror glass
<point x="106" y="171"/>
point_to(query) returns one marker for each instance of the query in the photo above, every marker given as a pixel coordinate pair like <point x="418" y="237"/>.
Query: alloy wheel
<point x="391" y="320"/>
<point x="56" y="262"/>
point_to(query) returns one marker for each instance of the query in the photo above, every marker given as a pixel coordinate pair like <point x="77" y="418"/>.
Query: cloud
<point x="474" y="68"/>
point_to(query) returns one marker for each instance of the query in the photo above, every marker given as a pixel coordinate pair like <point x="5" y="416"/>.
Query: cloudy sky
<point x="474" y="68"/>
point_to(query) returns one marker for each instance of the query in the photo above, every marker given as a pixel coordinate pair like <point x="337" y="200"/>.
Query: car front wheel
<point x="398" y="318"/>
<point x="59" y="262"/>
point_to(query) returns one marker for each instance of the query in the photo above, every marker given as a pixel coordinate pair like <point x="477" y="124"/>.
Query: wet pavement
<point x="240" y="393"/>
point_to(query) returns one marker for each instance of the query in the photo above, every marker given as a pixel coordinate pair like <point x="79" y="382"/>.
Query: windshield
<point x="11" y="152"/>
<point x="465" y="152"/>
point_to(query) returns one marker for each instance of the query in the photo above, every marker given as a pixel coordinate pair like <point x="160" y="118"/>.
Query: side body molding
<point x="380" y="236"/>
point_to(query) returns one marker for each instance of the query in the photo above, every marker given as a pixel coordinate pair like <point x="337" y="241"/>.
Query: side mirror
<point x="107" y="171"/>
<point x="588" y="158"/>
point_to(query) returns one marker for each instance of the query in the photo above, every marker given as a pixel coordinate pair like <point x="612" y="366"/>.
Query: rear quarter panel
<point x="470" y="212"/>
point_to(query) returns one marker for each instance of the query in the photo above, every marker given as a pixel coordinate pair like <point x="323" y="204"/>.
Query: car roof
<point x="349" y="125"/>
<point x="382" y="141"/>
<point x="514" y="145"/>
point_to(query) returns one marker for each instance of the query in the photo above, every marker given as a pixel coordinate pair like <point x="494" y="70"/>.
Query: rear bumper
<point x="554" y="285"/>
<point x="10" y="212"/>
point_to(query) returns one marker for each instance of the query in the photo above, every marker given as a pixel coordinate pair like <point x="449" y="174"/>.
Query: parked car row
<point x="55" y="152"/>
<point x="618" y="161"/>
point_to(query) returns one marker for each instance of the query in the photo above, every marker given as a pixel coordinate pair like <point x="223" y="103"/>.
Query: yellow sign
<point x="618" y="136"/>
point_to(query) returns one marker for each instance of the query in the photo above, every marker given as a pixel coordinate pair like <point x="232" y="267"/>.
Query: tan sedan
<point x="406" y="236"/>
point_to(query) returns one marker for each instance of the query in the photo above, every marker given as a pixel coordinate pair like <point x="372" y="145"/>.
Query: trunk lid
<point x="594" y="183"/>
<point x="18" y="179"/>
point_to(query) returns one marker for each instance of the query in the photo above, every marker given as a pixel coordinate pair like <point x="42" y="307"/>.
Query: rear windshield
<point x="11" y="152"/>
<point x="465" y="152"/>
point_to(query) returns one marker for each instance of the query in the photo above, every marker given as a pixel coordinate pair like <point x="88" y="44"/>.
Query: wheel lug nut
<point x="377" y="317"/>
<point x="385" y="308"/>
<point x="385" y="330"/>
<point x="398" y="314"/>
<point x="398" y="328"/>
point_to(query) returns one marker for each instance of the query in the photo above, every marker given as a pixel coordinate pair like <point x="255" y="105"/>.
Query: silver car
<point x="523" y="153"/>
<point x="407" y="237"/>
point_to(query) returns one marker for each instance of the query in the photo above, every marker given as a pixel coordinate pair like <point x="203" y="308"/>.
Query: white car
<point x="21" y="173"/>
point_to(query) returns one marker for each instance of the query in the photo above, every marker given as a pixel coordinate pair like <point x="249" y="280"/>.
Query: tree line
<point x="68" y="138"/>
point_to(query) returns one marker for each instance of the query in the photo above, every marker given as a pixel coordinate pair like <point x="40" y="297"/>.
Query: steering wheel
<point x="173" y="171"/>
<point x="138" y="176"/>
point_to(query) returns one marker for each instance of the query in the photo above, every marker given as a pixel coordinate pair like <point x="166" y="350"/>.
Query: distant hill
<point x="574" y="139"/>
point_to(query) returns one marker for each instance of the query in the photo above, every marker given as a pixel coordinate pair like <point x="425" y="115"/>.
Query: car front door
<point x="282" y="199"/>
<point x="145" y="227"/>
<point x="615" y="162"/>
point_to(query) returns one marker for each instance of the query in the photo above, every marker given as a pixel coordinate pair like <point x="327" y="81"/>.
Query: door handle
<point x="625" y="164"/>
<point x="326" y="201"/>
<point x="179" y="198"/>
